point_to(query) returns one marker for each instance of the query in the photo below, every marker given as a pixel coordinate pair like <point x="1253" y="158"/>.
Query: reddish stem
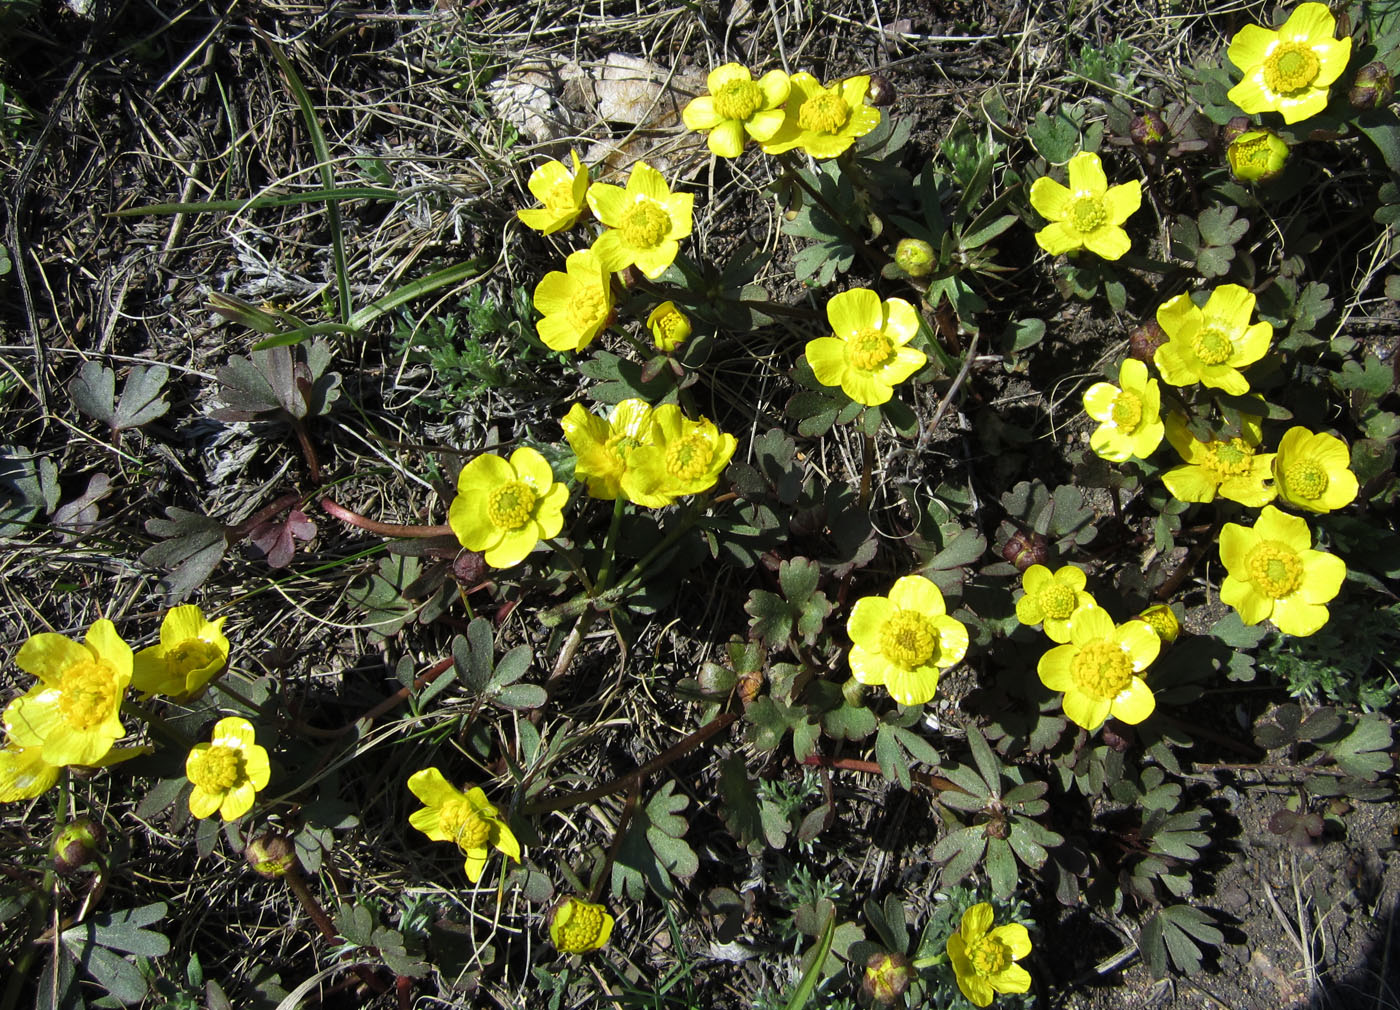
<point x="937" y="782"/>
<point x="382" y="529"/>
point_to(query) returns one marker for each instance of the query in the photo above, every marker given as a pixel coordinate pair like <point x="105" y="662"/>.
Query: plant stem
<point x="936" y="782"/>
<point x="874" y="257"/>
<point x="382" y="529"/>
<point x="158" y="724"/>
<point x="39" y="913"/>
<point x="600" y="584"/>
<point x="297" y="883"/>
<point x="867" y="470"/>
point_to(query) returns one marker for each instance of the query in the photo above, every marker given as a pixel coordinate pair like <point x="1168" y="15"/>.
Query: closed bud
<point x="78" y="844"/>
<point x="887" y="977"/>
<point x="1162" y="619"/>
<point x="1257" y="156"/>
<point x="914" y="256"/>
<point x="1373" y="87"/>
<point x="1026" y="549"/>
<point x="271" y="855"/>
<point x="670" y="327"/>
<point x="1149" y="130"/>
<point x="881" y="91"/>
<point x="1145" y="338"/>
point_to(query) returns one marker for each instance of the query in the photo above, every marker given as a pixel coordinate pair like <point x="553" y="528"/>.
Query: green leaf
<point x="960" y="850"/>
<point x="1362" y="752"/>
<point x="1233" y="632"/>
<point x="1000" y="864"/>
<point x="1055" y="138"/>
<point x="816" y="967"/>
<point x="1218" y="225"/>
<point x="987" y="764"/>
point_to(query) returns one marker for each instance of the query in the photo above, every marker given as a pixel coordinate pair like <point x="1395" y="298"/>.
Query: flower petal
<point x="1098" y="400"/>
<point x="914" y="592"/>
<point x="47" y="656"/>
<point x="1250" y="46"/>
<point x="1085" y="711"/>
<point x="432" y="787"/>
<point x="1110" y="243"/>
<point x="727" y="139"/>
<point x="722" y="75"/>
<point x="1323" y="575"/>
<point x="1056" y="668"/>
<point x="1056" y="239"/>
<point x="1136" y="701"/>
<point x="1086" y="174"/>
<point x="855" y="310"/>
<point x="1122" y="201"/>
<point x="608" y="203"/>
<point x="901" y="321"/>
<point x="699" y="114"/>
<point x="912" y="687"/>
<point x="867" y="620"/>
<point x="1050" y="199"/>
<point x="869" y="667"/>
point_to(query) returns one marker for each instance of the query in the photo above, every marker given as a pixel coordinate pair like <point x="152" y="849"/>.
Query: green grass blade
<point x="808" y="985"/>
<point x="258" y="202"/>
<point x="412" y="290"/>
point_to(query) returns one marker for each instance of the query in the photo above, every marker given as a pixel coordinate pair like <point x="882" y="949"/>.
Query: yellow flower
<point x="1087" y="215"/>
<point x="1226" y="466"/>
<point x="903" y="640"/>
<point x="1208" y="345"/>
<point x="24" y="773"/>
<point x="669" y="327"/>
<point x="1274" y="573"/>
<point x="602" y="447"/>
<point x="1312" y="471"/>
<point x="1131" y="416"/>
<point x="468" y="819"/>
<point x="563" y="193"/>
<point x="1257" y="156"/>
<point x="1098" y="669"/>
<point x="983" y="958"/>
<point x="1162" y="620"/>
<point x="824" y="122"/>
<point x="1052" y="599"/>
<point x="577" y="926"/>
<point x="228" y="771"/>
<point x="644" y="221"/>
<point x="867" y="354"/>
<point x="503" y="508"/>
<point x="576" y="305"/>
<point x="737" y="104"/>
<point x="73" y="714"/>
<point x="1289" y="70"/>
<point x="678" y="457"/>
<point x="192" y="652"/>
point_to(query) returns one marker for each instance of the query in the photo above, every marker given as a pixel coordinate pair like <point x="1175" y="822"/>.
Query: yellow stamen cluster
<point x="908" y="639"/>
<point x="1102" y="670"/>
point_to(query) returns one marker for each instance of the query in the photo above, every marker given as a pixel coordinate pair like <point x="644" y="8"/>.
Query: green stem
<point x="867" y="470"/>
<point x="158" y="724"/>
<point x="609" y="547"/>
<point x="689" y="519"/>
<point x="39" y="913"/>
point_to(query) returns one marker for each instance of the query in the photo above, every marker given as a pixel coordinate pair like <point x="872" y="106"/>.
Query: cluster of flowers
<point x="72" y="716"/>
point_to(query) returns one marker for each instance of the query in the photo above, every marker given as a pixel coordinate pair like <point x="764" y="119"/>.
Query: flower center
<point x="1290" y="67"/>
<point x="1087" y="213"/>
<point x="509" y="507"/>
<point x="1254" y="154"/>
<point x="645" y="225"/>
<point x="869" y="350"/>
<point x="584" y="925"/>
<point x="464" y="824"/>
<point x="1101" y="669"/>
<point x="191" y="654"/>
<point x="738" y="100"/>
<point x="217" y="769"/>
<point x="587" y="305"/>
<point x="1212" y="346"/>
<point x="671" y="324"/>
<point x="1275" y="568"/>
<point x="823" y="113"/>
<point x="1057" y="600"/>
<point x="1307" y="478"/>
<point x="908" y="639"/>
<point x="689" y="458"/>
<point x="989" y="956"/>
<point x="88" y="694"/>
<point x="1127" y="410"/>
<point x="1232" y="458"/>
<point x="560" y="198"/>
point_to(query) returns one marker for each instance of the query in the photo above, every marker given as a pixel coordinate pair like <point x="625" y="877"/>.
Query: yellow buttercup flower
<point x="1275" y="574"/>
<point x="227" y="772"/>
<point x="577" y="304"/>
<point x="192" y="652"/>
<point x="1097" y="670"/>
<point x="1051" y="599"/>
<point x="1130" y="416"/>
<point x="504" y="508"/>
<point x="905" y="639"/>
<point x="1229" y="467"/>
<point x="24" y="773"/>
<point x="1257" y="156"/>
<point x="678" y="457"/>
<point x="1162" y="620"/>
<point x="867" y="354"/>
<point x="467" y="819"/>
<point x="1289" y="70"/>
<point x="670" y="327"/>
<point x="736" y="105"/>
<point x="603" y="448"/>
<point x="73" y="714"/>
<point x="577" y="926"/>
<point x="563" y="193"/>
<point x="645" y="222"/>
<point x="822" y="121"/>
<point x="983" y="957"/>
<point x="1209" y="345"/>
<point x="1312" y="471"/>
<point x="1089" y="214"/>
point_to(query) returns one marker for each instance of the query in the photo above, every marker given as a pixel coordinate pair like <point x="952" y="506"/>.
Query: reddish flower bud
<point x="1145" y="338"/>
<point x="1149" y="130"/>
<point x="78" y="844"/>
<point x="1373" y="87"/>
<point x="1026" y="549"/>
<point x="271" y="855"/>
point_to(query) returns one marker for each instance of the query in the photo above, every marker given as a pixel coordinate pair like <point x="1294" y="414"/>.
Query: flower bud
<point x="1232" y="129"/>
<point x="880" y="91"/>
<point x="577" y="926"/>
<point x="669" y="327"/>
<point x="1026" y="549"/>
<point x="1257" y="156"/>
<point x="1145" y="338"/>
<point x="1373" y="87"/>
<point x="1162" y="619"/>
<point x="887" y="977"/>
<point x="78" y="844"/>
<point x="271" y="855"/>
<point x="1149" y="130"/>
<point x="914" y="256"/>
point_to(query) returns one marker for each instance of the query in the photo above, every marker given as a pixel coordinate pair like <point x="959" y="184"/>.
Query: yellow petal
<point x="868" y="667"/>
<point x="646" y="181"/>
<point x="727" y="139"/>
<point x="722" y="75"/>
<point x="1085" y="711"/>
<point x="911" y="687"/>
<point x="867" y="619"/>
<point x="1016" y="938"/>
<point x="1099" y="399"/>
<point x="1108" y="243"/>
<point x="775" y="87"/>
<point x="855" y="310"/>
<point x="47" y="656"/>
<point x="432" y="787"/>
<point x="1056" y="239"/>
<point x="914" y="592"/>
<point x="901" y="321"/>
<point x="1309" y="23"/>
<point x="608" y="203"/>
<point x="976" y="921"/>
<point x="1122" y="201"/>
<point x="1086" y="174"/>
<point x="1056" y="668"/>
<point x="1323" y="575"/>
<point x="1072" y="576"/>
<point x="1293" y="616"/>
<point x="827" y="357"/>
<point x="1050" y="199"/>
<point x="1250" y="45"/>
